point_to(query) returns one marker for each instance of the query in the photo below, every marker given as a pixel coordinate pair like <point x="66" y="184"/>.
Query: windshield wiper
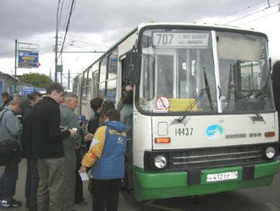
<point x="200" y="95"/>
<point x="207" y="87"/>
<point x="258" y="117"/>
<point x="230" y="86"/>
<point x="263" y="92"/>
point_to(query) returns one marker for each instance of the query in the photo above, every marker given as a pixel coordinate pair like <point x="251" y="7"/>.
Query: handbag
<point x="9" y="152"/>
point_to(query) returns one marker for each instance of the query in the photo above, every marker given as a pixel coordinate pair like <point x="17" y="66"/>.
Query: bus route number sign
<point x="180" y="39"/>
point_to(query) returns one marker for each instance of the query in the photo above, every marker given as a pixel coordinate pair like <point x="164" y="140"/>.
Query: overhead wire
<point x="67" y="14"/>
<point x="260" y="18"/>
<point x="67" y="27"/>
<point x="249" y="7"/>
<point x="240" y="18"/>
<point x="88" y="43"/>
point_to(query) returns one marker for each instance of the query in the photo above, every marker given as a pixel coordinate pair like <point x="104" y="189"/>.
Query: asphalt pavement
<point x="248" y="199"/>
<point x="123" y="204"/>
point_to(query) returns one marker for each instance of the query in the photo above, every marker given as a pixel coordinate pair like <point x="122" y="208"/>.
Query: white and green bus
<point x="204" y="119"/>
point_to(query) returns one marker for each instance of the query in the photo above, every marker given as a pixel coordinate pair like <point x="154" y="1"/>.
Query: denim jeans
<point x="8" y="182"/>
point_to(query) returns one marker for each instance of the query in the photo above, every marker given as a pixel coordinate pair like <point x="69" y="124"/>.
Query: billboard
<point x="28" y="55"/>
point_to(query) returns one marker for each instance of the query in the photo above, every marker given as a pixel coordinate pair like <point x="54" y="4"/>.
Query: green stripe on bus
<point x="162" y="185"/>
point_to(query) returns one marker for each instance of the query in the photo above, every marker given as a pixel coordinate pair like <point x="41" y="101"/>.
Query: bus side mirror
<point x="132" y="66"/>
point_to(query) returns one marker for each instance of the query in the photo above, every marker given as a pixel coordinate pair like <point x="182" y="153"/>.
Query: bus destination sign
<point x="167" y="39"/>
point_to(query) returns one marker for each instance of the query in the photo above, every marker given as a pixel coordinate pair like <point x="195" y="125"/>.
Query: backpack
<point x="9" y="149"/>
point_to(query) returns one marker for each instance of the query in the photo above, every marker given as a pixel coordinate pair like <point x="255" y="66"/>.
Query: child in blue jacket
<point x="106" y="156"/>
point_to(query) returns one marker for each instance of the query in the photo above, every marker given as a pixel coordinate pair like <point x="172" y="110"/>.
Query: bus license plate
<point x="222" y="176"/>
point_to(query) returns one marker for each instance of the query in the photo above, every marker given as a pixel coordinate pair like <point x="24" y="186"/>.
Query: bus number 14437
<point x="183" y="131"/>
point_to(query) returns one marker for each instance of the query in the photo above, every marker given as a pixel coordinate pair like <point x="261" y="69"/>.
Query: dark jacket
<point x="26" y="138"/>
<point x="46" y="135"/>
<point x="93" y="122"/>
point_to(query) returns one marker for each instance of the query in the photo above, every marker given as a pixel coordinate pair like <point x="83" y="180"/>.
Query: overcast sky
<point x="96" y="25"/>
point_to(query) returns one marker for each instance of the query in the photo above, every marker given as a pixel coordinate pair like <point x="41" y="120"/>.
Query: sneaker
<point x="11" y="203"/>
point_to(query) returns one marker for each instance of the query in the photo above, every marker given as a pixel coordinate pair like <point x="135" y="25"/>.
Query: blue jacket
<point x="111" y="163"/>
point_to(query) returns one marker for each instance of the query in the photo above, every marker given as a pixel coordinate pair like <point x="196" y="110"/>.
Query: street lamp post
<point x="56" y="37"/>
<point x="15" y="80"/>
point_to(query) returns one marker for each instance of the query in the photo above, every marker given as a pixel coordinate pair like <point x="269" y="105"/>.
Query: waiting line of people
<point x="54" y="141"/>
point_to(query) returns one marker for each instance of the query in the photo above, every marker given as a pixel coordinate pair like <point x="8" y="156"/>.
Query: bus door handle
<point x="220" y="92"/>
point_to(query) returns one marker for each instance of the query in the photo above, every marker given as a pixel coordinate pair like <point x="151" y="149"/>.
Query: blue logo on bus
<point x="214" y="131"/>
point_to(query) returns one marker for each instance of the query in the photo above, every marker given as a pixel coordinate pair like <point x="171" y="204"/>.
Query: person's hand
<point x="89" y="136"/>
<point x="83" y="169"/>
<point x="83" y="126"/>
<point x="73" y="132"/>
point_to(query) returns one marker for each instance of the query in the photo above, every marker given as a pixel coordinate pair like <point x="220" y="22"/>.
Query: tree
<point x="36" y="80"/>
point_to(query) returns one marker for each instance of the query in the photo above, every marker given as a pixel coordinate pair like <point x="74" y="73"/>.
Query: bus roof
<point x="202" y="25"/>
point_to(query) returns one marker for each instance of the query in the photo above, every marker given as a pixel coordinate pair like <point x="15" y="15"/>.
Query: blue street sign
<point x="28" y="59"/>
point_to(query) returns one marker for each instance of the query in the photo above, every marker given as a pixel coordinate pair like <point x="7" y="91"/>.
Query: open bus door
<point x="130" y="73"/>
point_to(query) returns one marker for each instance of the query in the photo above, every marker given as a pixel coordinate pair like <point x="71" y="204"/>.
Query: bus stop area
<point x="20" y="193"/>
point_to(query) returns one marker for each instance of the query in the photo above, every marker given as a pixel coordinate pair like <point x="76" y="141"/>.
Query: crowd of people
<point x="59" y="146"/>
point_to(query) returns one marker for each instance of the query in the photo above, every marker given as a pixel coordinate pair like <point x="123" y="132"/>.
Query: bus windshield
<point x="175" y="64"/>
<point x="178" y="75"/>
<point x="244" y="72"/>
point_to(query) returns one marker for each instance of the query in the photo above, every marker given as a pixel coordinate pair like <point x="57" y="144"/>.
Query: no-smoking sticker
<point x="162" y="104"/>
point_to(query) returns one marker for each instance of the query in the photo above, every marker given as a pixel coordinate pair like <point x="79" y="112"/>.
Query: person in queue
<point x="126" y="88"/>
<point x="10" y="130"/>
<point x="107" y="105"/>
<point x="47" y="145"/>
<point x="106" y="156"/>
<point x="5" y="100"/>
<point x="68" y="119"/>
<point x="127" y="119"/>
<point x="80" y="150"/>
<point x="96" y="105"/>
<point x="32" y="177"/>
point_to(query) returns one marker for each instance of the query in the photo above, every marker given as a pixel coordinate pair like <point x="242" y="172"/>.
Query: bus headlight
<point x="160" y="161"/>
<point x="270" y="152"/>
